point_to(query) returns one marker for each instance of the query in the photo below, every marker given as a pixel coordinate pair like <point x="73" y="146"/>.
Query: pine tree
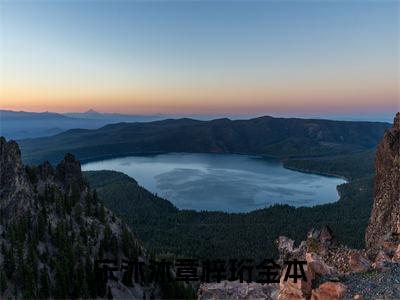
<point x="90" y="277"/>
<point x="95" y="197"/>
<point x="126" y="242"/>
<point x="107" y="234"/>
<point x="32" y="262"/>
<point x="114" y="247"/>
<point x="3" y="281"/>
<point x="9" y="262"/>
<point x="44" y="291"/>
<point x="20" y="270"/>
<point x="80" y="290"/>
<point x="49" y="230"/>
<point x="102" y="214"/>
<point x="61" y="283"/>
<point x="29" y="285"/>
<point x="42" y="221"/>
<point x="88" y="205"/>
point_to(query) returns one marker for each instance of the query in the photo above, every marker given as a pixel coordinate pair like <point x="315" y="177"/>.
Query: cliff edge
<point x="383" y="231"/>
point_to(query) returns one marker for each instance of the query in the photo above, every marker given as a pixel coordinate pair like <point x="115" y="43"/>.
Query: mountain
<point x="114" y="117"/>
<point x="20" y="124"/>
<point x="278" y="137"/>
<point x="53" y="226"/>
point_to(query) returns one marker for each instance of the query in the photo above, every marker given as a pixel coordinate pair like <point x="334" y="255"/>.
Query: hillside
<point x="264" y="136"/>
<point x="332" y="270"/>
<point x="337" y="165"/>
<point x="53" y="227"/>
<point x="166" y="229"/>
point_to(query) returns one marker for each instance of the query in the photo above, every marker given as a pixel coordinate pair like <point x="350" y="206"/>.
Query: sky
<point x="201" y="57"/>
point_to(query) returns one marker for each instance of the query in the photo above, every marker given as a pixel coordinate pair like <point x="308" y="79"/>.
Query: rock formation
<point x="14" y="183"/>
<point x="53" y="227"/>
<point x="383" y="231"/>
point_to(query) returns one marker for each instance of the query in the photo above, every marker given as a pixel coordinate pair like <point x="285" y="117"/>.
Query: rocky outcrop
<point x="53" y="227"/>
<point x="15" y="188"/>
<point x="318" y="265"/>
<point x="69" y="173"/>
<point x="358" y="263"/>
<point x="329" y="291"/>
<point x="381" y="261"/>
<point x="299" y="289"/>
<point x="383" y="231"/>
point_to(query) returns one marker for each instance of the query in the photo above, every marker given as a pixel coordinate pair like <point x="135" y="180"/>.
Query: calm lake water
<point x="231" y="183"/>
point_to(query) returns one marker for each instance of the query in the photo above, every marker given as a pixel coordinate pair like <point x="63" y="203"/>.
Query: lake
<point x="223" y="182"/>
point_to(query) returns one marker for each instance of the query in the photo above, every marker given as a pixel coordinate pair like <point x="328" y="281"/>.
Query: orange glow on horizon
<point x="301" y="96"/>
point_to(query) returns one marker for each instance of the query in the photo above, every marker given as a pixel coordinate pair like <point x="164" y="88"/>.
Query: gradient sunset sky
<point x="201" y="57"/>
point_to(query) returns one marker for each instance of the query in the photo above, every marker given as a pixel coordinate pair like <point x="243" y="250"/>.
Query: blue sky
<point x="222" y="57"/>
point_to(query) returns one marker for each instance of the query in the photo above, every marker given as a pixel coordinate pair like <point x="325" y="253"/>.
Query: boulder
<point x="381" y="260"/>
<point x="326" y="234"/>
<point x="299" y="290"/>
<point x="358" y="263"/>
<point x="329" y="291"/>
<point x="287" y="251"/>
<point x="318" y="266"/>
<point x="396" y="256"/>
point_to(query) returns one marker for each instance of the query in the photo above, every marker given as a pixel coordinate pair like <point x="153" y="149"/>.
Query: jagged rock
<point x="316" y="263"/>
<point x="45" y="177"/>
<point x="381" y="261"/>
<point x="396" y="256"/>
<point x="237" y="290"/>
<point x="326" y="234"/>
<point x="358" y="263"/>
<point x="301" y="289"/>
<point x="287" y="250"/>
<point x="384" y="224"/>
<point x="54" y="214"/>
<point x="329" y="291"/>
<point x="319" y="241"/>
<point x="285" y="244"/>
<point x="15" y="187"/>
<point x="69" y="172"/>
<point x="45" y="171"/>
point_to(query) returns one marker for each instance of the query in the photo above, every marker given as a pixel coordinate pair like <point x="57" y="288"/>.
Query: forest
<point x="165" y="229"/>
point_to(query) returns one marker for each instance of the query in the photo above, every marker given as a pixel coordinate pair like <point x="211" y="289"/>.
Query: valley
<point x="315" y="146"/>
<point x="166" y="229"/>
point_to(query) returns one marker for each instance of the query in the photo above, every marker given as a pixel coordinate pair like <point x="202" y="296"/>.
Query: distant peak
<point x="92" y="112"/>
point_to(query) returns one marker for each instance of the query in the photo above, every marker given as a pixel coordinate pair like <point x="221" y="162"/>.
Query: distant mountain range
<point x="20" y="124"/>
<point x="279" y="137"/>
<point x="114" y="117"/>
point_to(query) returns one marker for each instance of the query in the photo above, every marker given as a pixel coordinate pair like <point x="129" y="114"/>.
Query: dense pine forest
<point x="166" y="229"/>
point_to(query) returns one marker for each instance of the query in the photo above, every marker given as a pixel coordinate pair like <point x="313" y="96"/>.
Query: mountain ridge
<point x="267" y="135"/>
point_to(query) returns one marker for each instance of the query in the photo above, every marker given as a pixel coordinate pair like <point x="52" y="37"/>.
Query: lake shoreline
<point x="283" y="161"/>
<point x="229" y="182"/>
<point x="308" y="171"/>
